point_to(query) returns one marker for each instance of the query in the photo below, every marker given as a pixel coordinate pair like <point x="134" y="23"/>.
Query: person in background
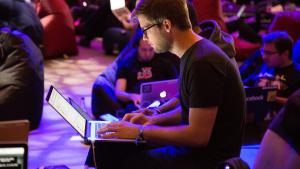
<point x="101" y="20"/>
<point x="278" y="69"/>
<point x="19" y="15"/>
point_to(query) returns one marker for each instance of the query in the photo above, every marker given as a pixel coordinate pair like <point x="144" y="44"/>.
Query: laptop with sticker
<point x="160" y="91"/>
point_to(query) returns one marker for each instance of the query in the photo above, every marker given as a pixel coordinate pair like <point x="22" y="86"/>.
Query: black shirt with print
<point x="288" y="79"/>
<point x="137" y="72"/>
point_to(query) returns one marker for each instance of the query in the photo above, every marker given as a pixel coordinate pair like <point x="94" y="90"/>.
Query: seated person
<point x="18" y="15"/>
<point x="101" y="20"/>
<point x="144" y="66"/>
<point x="21" y="78"/>
<point x="280" y="147"/>
<point x="278" y="68"/>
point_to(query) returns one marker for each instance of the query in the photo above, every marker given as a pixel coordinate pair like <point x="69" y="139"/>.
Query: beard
<point x="164" y="44"/>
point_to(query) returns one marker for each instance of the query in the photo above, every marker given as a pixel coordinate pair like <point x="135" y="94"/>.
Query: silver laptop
<point x="85" y="127"/>
<point x="119" y="9"/>
<point x="160" y="91"/>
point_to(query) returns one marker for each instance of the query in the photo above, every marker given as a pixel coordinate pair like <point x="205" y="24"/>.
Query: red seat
<point x="210" y="10"/>
<point x="59" y="32"/>
<point x="287" y="21"/>
<point x="244" y="48"/>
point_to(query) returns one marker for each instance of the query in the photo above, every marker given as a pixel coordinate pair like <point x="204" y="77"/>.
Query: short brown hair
<point x="158" y="10"/>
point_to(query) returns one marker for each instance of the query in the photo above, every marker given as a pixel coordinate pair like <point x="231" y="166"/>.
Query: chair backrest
<point x="15" y="131"/>
<point x="287" y="21"/>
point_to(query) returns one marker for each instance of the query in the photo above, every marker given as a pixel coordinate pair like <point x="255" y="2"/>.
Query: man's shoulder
<point x="128" y="62"/>
<point x="208" y="50"/>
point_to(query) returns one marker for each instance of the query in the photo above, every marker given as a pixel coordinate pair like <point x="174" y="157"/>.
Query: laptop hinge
<point x="87" y="130"/>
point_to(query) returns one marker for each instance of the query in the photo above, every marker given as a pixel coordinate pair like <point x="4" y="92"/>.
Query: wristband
<point x="140" y="136"/>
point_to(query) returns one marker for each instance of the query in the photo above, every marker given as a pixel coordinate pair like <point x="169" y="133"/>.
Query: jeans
<point x="110" y="155"/>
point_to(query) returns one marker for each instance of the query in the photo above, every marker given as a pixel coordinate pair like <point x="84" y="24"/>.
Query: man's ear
<point x="167" y="25"/>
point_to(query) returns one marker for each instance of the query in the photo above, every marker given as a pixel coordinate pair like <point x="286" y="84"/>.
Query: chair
<point x="14" y="131"/>
<point x="59" y="32"/>
<point x="244" y="48"/>
<point x="287" y="21"/>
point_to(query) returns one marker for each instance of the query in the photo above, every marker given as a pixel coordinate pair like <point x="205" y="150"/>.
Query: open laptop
<point x="119" y="9"/>
<point x="13" y="156"/>
<point x="76" y="118"/>
<point x="260" y="101"/>
<point x="161" y="91"/>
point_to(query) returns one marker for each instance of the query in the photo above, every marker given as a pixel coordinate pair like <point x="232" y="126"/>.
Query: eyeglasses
<point x="149" y="27"/>
<point x="267" y="53"/>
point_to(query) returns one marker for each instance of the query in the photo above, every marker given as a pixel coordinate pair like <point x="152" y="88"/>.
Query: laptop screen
<point x="13" y="156"/>
<point x="65" y="109"/>
<point x="116" y="4"/>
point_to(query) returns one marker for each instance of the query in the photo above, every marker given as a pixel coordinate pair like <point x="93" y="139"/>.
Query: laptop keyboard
<point x="99" y="125"/>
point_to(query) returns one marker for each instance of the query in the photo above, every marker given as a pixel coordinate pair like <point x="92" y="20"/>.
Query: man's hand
<point x="120" y="130"/>
<point x="281" y="100"/>
<point x="262" y="82"/>
<point x="146" y="111"/>
<point x="136" y="99"/>
<point x="138" y="118"/>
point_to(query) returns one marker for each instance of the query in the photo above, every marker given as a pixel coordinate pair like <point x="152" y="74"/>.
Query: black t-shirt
<point x="136" y="72"/>
<point x="209" y="79"/>
<point x="287" y="122"/>
<point x="286" y="79"/>
<point x="289" y="79"/>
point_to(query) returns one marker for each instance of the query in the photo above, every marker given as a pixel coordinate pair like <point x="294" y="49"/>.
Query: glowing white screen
<point x="70" y="114"/>
<point x="116" y="4"/>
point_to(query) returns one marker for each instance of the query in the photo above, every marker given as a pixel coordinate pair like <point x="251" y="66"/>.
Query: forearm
<point x="123" y="96"/>
<point x="281" y="100"/>
<point x="172" y="117"/>
<point x="171" y="104"/>
<point x="183" y="135"/>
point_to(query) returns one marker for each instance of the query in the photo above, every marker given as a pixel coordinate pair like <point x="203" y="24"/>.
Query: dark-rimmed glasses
<point x="267" y="53"/>
<point x="144" y="30"/>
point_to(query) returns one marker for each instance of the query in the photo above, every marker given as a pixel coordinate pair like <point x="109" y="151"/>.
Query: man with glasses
<point x="278" y="68"/>
<point x="206" y="127"/>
